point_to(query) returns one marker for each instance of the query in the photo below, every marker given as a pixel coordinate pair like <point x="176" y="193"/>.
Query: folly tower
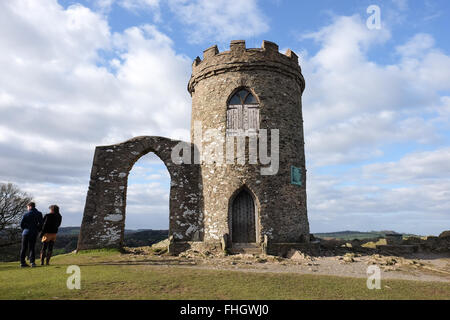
<point x="239" y="95"/>
<point x="247" y="185"/>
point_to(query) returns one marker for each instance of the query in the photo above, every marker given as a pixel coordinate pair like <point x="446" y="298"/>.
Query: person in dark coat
<point x="52" y="221"/>
<point x="31" y="224"/>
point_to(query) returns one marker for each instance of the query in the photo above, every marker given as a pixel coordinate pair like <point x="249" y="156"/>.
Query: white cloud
<point x="417" y="46"/>
<point x="61" y="94"/>
<point x="408" y="195"/>
<point x="135" y="6"/>
<point x="68" y="197"/>
<point x="401" y="4"/>
<point x="366" y="103"/>
<point x="103" y="5"/>
<point x="220" y="20"/>
<point x="148" y="206"/>
<point x="217" y="20"/>
<point x="361" y="137"/>
<point x="353" y="108"/>
<point x="414" y="168"/>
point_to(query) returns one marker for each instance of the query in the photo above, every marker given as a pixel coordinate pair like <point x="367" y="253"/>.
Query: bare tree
<point x="13" y="203"/>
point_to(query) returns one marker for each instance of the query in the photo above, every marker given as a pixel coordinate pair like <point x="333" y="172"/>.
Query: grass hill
<point x="108" y="274"/>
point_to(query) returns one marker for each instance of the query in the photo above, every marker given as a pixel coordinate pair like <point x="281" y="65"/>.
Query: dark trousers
<point x="28" y="242"/>
<point x="47" y="249"/>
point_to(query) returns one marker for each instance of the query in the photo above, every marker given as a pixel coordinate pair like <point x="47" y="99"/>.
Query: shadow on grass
<point x="159" y="262"/>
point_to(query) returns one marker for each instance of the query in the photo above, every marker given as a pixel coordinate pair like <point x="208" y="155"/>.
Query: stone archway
<point x="104" y="214"/>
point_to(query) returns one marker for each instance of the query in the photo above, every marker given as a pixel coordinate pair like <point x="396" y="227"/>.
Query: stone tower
<point x="239" y="93"/>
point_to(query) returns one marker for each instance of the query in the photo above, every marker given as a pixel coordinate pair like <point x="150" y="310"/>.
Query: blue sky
<point x="76" y="74"/>
<point x="288" y="20"/>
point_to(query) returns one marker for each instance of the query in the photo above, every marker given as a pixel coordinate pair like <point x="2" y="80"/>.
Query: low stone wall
<point x="282" y="249"/>
<point x="435" y="244"/>
<point x="275" y="249"/>
<point x="398" y="249"/>
<point x="177" y="247"/>
<point x="387" y="245"/>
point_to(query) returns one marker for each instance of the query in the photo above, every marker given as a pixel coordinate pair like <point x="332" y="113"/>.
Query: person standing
<point x="52" y="221"/>
<point x="31" y="224"/>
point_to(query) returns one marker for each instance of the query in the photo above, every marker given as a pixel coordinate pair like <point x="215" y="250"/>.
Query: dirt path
<point x="419" y="267"/>
<point x="334" y="267"/>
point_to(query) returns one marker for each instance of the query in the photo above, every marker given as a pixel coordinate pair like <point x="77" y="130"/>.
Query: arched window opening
<point x="242" y="114"/>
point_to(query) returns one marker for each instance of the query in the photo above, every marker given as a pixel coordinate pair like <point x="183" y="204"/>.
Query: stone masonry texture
<point x="276" y="80"/>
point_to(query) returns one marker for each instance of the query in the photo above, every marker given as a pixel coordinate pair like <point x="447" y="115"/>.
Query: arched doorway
<point x="243" y="222"/>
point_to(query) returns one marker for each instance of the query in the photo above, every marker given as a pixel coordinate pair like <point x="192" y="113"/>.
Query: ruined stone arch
<point x="104" y="214"/>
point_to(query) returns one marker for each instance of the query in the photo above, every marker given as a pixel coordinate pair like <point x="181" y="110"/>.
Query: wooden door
<point x="243" y="218"/>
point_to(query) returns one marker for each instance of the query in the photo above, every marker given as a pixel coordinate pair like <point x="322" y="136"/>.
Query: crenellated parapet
<point x="239" y="59"/>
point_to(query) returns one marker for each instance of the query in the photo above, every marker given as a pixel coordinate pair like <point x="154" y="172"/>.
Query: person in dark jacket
<point x="52" y="221"/>
<point x="31" y="224"/>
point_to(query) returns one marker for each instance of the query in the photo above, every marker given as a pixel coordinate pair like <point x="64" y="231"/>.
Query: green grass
<point x="111" y="275"/>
